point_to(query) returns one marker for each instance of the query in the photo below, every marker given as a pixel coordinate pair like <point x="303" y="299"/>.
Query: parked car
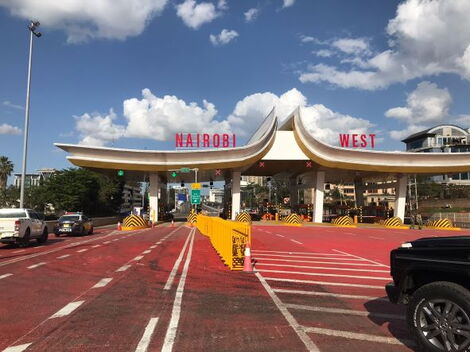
<point x="18" y="225"/>
<point x="431" y="276"/>
<point x="75" y="224"/>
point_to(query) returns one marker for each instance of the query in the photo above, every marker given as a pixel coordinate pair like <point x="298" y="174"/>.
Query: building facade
<point x="33" y="180"/>
<point x="442" y="139"/>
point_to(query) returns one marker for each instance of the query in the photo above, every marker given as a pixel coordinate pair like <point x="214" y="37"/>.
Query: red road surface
<point x="165" y="289"/>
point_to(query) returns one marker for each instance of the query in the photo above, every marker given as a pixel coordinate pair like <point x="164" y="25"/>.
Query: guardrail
<point x="109" y="220"/>
<point x="228" y="238"/>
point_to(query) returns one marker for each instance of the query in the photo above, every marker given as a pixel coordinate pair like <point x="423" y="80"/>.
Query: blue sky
<point x="129" y="77"/>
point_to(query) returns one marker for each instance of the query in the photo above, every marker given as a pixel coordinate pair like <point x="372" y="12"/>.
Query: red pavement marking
<point x="34" y="295"/>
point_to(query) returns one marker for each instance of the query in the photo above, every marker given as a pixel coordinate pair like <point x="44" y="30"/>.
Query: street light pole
<point x="32" y="28"/>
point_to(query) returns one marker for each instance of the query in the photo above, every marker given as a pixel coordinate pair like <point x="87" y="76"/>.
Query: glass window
<point x="69" y="218"/>
<point x="9" y="214"/>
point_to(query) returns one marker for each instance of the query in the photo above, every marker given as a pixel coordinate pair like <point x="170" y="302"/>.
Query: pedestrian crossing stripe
<point x="444" y="224"/>
<point x="243" y="217"/>
<point x="343" y="221"/>
<point x="134" y="222"/>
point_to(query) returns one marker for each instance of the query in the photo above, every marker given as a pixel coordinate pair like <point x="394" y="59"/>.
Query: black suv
<point x="75" y="223"/>
<point x="432" y="276"/>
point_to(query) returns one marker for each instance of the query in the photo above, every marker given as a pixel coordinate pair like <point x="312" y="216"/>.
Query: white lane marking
<point x="172" y="275"/>
<point x="123" y="268"/>
<point x="329" y="294"/>
<point x="5" y="276"/>
<point x="306" y="257"/>
<point x="176" y="311"/>
<point x="116" y="239"/>
<point x="279" y="235"/>
<point x="152" y="247"/>
<point x="36" y="265"/>
<point x="324" y="274"/>
<point x="296" y="241"/>
<point x="69" y="308"/>
<point x="323" y="267"/>
<point x="350" y="233"/>
<point x="356" y="256"/>
<point x="357" y="336"/>
<point x="311" y="347"/>
<point x="139" y="257"/>
<point x="315" y="262"/>
<point x="146" y="252"/>
<point x="29" y="256"/>
<point x="103" y="282"/>
<point x="82" y="250"/>
<point x="159" y="242"/>
<point x="345" y="311"/>
<point x="326" y="283"/>
<point x="310" y="253"/>
<point x="63" y="256"/>
<point x="96" y="246"/>
<point x="376" y="238"/>
<point x="21" y="250"/>
<point x="107" y="242"/>
<point x="147" y="336"/>
<point x="18" y="348"/>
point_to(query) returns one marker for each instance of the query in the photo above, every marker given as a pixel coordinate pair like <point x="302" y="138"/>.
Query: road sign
<point x="196" y="196"/>
<point x="196" y="186"/>
<point x="185" y="170"/>
<point x="120" y="173"/>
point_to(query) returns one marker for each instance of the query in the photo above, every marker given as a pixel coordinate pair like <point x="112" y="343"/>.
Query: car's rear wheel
<point x="91" y="231"/>
<point x="44" y="236"/>
<point x="24" y="242"/>
<point x="439" y="317"/>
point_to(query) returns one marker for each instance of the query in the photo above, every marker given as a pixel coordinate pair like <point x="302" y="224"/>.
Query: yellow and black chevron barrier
<point x="343" y="221"/>
<point x="293" y="220"/>
<point x="192" y="219"/>
<point x="243" y="217"/>
<point x="395" y="222"/>
<point x="134" y="222"/>
<point x="442" y="224"/>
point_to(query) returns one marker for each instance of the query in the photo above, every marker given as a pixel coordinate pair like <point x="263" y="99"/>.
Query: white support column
<point x="154" y="186"/>
<point x="235" y="193"/>
<point x="319" y="193"/>
<point x="400" y="193"/>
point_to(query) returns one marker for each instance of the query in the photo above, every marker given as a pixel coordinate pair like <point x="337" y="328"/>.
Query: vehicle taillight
<point x="17" y="225"/>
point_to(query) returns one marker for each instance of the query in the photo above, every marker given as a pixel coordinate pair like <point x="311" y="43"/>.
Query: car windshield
<point x="8" y="214"/>
<point x="69" y="218"/>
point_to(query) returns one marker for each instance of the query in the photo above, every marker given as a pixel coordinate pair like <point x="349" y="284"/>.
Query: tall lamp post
<point x="32" y="28"/>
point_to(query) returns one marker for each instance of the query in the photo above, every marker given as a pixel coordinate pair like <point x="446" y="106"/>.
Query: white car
<point x="21" y="225"/>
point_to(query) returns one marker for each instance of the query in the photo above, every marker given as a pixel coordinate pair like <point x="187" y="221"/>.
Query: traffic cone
<point x="247" y="266"/>
<point x="119" y="227"/>
<point x="172" y="223"/>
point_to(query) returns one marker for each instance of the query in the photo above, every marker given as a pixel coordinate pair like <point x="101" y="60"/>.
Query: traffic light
<point x="174" y="174"/>
<point x="182" y="184"/>
<point x="211" y="183"/>
<point x="120" y="173"/>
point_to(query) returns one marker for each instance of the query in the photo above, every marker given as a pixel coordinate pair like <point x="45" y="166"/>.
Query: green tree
<point x="6" y="168"/>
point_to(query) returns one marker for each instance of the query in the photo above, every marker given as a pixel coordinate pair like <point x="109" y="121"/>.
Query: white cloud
<point x="11" y="105"/>
<point x="222" y="5"/>
<point x="98" y="130"/>
<point x="356" y="46"/>
<point x="408" y="131"/>
<point x="326" y="125"/>
<point x="88" y="19"/>
<point x="426" y="104"/>
<point x="160" y="118"/>
<point x="251" y="14"/>
<point x="225" y="37"/>
<point x="195" y="15"/>
<point x="288" y="3"/>
<point x="426" y="38"/>
<point x="324" y="53"/>
<point x="8" y="129"/>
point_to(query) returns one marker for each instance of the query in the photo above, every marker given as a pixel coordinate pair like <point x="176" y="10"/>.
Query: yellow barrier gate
<point x="443" y="224"/>
<point x="343" y="221"/>
<point x="243" y="217"/>
<point x="228" y="238"/>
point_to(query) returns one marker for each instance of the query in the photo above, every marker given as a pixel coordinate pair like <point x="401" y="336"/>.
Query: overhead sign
<point x="196" y="196"/>
<point x="357" y="140"/>
<point x="205" y="140"/>
<point x="185" y="170"/>
<point x="182" y="197"/>
<point x="196" y="186"/>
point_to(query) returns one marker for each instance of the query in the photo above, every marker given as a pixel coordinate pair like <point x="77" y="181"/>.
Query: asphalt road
<point x="165" y="289"/>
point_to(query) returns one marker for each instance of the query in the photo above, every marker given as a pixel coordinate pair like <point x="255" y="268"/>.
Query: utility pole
<point x="32" y="28"/>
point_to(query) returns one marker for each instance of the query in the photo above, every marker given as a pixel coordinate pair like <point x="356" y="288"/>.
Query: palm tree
<point x="6" y="168"/>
